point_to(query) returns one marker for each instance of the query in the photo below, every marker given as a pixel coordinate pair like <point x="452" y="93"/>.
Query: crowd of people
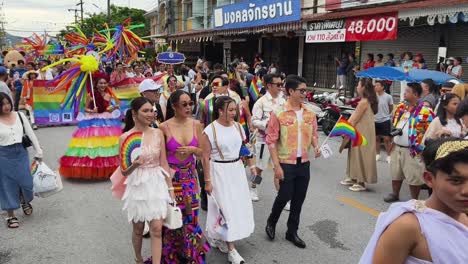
<point x="197" y="128"/>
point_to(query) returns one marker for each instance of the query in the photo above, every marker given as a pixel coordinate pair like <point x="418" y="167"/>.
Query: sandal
<point x="357" y="188"/>
<point x="27" y="208"/>
<point x="12" y="222"/>
<point x="139" y="261"/>
<point x="347" y="182"/>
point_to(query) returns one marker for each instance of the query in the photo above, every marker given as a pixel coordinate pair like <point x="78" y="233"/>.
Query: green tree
<point x="95" y="21"/>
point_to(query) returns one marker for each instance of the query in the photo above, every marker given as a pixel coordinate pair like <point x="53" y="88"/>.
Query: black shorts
<point x="383" y="129"/>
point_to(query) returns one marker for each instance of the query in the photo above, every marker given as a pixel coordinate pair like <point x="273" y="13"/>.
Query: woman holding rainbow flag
<point x="362" y="167"/>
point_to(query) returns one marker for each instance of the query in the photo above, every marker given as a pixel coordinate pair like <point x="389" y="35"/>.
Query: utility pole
<point x="81" y="8"/>
<point x="76" y="14"/>
<point x="108" y="12"/>
<point x="2" y="28"/>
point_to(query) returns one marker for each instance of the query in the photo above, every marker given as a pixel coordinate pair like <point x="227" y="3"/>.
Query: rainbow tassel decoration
<point x="344" y="128"/>
<point x="254" y="89"/>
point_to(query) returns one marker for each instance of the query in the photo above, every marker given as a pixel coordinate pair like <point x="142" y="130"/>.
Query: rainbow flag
<point x="254" y="89"/>
<point x="344" y="128"/>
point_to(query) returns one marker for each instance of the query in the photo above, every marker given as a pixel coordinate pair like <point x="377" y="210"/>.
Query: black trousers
<point x="293" y="188"/>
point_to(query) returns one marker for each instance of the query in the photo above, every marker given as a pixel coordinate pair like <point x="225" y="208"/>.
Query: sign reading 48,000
<point x="380" y="27"/>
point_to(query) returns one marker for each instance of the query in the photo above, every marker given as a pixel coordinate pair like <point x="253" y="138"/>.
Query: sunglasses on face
<point x="216" y="84"/>
<point x="185" y="104"/>
<point x="302" y="91"/>
<point x="277" y="84"/>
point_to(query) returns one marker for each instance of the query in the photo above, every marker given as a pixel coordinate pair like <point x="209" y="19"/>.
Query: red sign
<point x="376" y="27"/>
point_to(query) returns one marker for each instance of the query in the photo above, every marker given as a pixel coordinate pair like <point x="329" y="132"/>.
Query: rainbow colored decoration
<point x="255" y="87"/>
<point x="205" y="112"/>
<point x="130" y="149"/>
<point x="126" y="43"/>
<point x="344" y="128"/>
<point x="48" y="106"/>
<point x="34" y="167"/>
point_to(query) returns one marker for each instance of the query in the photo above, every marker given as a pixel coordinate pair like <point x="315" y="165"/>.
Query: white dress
<point x="230" y="186"/>
<point x="146" y="195"/>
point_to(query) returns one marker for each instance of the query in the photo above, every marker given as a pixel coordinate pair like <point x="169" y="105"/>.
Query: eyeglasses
<point x="185" y="104"/>
<point x="302" y="91"/>
<point x="277" y="84"/>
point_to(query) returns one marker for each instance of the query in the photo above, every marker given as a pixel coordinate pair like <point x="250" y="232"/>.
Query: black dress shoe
<point x="296" y="240"/>
<point x="270" y="230"/>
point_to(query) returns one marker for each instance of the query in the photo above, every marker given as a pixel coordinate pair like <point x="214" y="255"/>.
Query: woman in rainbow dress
<point x="93" y="153"/>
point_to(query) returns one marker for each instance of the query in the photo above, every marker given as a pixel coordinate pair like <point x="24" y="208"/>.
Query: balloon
<point x="89" y="63"/>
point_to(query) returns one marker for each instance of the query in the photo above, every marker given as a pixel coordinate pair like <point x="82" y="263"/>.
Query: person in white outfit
<point x="148" y="184"/>
<point x="230" y="210"/>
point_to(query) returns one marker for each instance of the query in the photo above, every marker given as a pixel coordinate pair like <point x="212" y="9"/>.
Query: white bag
<point x="173" y="218"/>
<point x="45" y="181"/>
<point x="216" y="223"/>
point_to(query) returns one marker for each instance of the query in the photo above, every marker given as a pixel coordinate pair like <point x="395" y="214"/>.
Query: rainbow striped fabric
<point x="255" y="87"/>
<point x="344" y="128"/>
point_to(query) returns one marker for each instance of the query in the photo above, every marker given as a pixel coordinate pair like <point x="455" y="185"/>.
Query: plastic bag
<point x="216" y="224"/>
<point x="45" y="181"/>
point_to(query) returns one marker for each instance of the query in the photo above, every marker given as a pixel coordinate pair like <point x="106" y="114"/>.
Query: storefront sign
<point x="334" y="5"/>
<point x="378" y="27"/>
<point x="256" y="13"/>
<point x="326" y="31"/>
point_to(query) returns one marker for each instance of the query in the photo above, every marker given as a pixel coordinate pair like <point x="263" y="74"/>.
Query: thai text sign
<point x="256" y="13"/>
<point x="378" y="27"/>
<point x="326" y="31"/>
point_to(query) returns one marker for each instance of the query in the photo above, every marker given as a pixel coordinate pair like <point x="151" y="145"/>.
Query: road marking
<point x="359" y="206"/>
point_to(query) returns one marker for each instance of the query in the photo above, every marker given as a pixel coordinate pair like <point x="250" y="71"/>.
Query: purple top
<point x="447" y="239"/>
<point x="172" y="145"/>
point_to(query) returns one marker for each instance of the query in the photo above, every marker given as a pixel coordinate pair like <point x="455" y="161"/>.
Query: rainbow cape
<point x="344" y="128"/>
<point x="254" y="89"/>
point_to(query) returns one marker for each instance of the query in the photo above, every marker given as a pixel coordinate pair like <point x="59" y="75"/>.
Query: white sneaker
<point x="389" y="159"/>
<point x="220" y="245"/>
<point x="377" y="157"/>
<point x="235" y="258"/>
<point x="288" y="206"/>
<point x="254" y="194"/>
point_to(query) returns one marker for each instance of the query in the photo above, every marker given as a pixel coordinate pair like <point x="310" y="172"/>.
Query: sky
<point x="23" y="17"/>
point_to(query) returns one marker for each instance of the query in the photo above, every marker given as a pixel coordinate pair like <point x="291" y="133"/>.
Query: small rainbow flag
<point x="344" y="128"/>
<point x="254" y="89"/>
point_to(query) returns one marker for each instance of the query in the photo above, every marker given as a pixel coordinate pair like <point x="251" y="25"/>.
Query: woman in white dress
<point x="148" y="184"/>
<point x="226" y="180"/>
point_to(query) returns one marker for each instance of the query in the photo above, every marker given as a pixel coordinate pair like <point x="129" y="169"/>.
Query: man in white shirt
<point x="44" y="74"/>
<point x="260" y="117"/>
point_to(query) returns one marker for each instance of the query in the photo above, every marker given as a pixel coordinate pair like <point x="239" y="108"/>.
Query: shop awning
<point x="452" y="13"/>
<point x="436" y="4"/>
<point x="207" y="34"/>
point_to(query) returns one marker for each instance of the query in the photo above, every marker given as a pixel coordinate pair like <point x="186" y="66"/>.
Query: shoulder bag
<point x="26" y="141"/>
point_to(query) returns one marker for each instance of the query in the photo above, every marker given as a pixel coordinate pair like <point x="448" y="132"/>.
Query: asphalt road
<point x="85" y="224"/>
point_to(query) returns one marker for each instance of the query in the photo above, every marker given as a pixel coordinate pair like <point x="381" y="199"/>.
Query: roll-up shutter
<point x="458" y="45"/>
<point x="420" y="39"/>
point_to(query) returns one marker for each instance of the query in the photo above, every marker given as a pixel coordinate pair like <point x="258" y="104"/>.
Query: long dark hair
<point x="135" y="105"/>
<point x="221" y="103"/>
<point x="5" y="96"/>
<point x="442" y="112"/>
<point x="369" y="94"/>
<point x="101" y="103"/>
<point x="173" y="100"/>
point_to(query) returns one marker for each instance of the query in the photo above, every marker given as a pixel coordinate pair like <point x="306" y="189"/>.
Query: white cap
<point x="148" y="85"/>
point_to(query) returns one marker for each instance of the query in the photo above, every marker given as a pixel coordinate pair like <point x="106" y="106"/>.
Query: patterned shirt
<point x="283" y="129"/>
<point x="261" y="113"/>
<point x="420" y="118"/>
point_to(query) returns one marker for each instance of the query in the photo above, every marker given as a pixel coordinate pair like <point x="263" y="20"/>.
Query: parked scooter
<point x="340" y="107"/>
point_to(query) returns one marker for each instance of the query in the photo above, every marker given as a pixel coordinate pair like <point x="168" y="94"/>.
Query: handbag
<point x="26" y="141"/>
<point x="246" y="149"/>
<point x="173" y="218"/>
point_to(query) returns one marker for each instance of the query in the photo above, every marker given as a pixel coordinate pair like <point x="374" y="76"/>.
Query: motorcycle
<point x="340" y="107"/>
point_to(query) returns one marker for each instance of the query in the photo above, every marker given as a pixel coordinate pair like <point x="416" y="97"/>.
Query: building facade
<point x="305" y="36"/>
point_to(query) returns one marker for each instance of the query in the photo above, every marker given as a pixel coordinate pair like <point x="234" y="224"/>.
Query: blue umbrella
<point x="398" y="74"/>
<point x="170" y="57"/>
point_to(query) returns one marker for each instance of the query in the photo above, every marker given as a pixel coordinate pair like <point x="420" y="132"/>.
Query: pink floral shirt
<point x="282" y="131"/>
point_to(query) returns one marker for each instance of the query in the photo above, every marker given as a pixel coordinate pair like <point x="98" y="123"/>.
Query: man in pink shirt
<point x="291" y="131"/>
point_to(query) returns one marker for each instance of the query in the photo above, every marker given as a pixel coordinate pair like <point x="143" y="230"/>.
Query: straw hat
<point x="26" y="74"/>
